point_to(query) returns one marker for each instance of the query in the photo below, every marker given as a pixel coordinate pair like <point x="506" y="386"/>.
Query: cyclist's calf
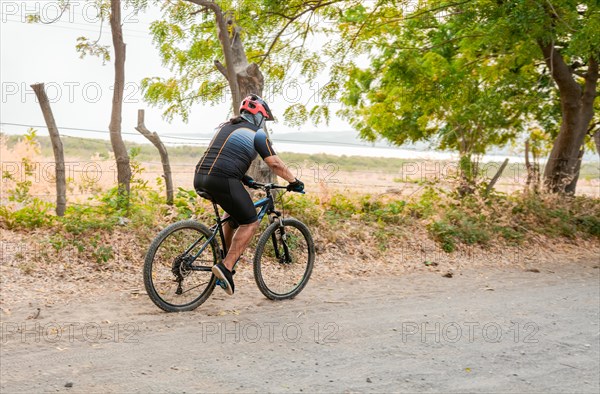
<point x="239" y="243"/>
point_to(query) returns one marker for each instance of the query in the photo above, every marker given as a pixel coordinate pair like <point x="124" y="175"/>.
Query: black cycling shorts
<point x="230" y="194"/>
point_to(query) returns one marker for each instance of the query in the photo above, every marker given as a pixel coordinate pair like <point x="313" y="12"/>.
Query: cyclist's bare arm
<point x="279" y="168"/>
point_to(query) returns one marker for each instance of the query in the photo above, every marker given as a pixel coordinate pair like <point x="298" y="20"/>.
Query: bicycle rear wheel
<point x="177" y="270"/>
<point x="284" y="259"/>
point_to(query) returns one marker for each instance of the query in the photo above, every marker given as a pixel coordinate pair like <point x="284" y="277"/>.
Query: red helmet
<point x="254" y="104"/>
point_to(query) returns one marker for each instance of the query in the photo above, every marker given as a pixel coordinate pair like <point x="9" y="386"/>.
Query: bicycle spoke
<point x="174" y="265"/>
<point x="285" y="260"/>
<point x="201" y="284"/>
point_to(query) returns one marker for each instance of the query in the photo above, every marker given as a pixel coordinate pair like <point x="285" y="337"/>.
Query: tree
<point x="112" y="10"/>
<point x="242" y="77"/>
<point x="57" y="148"/>
<point x="422" y="84"/>
<point x="121" y="155"/>
<point x="508" y="49"/>
<point x="257" y="40"/>
<point x="571" y="36"/>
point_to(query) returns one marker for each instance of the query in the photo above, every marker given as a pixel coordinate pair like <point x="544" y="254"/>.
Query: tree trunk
<point x="528" y="166"/>
<point x="121" y="155"/>
<point x="533" y="169"/>
<point x="571" y="187"/>
<point x="223" y="20"/>
<point x="57" y="147"/>
<point x="466" y="183"/>
<point x="251" y="80"/>
<point x="164" y="156"/>
<point x="577" y="107"/>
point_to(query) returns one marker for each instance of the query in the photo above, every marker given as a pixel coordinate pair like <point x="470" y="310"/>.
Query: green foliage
<point x="341" y="206"/>
<point x="425" y="87"/>
<point x="429" y="202"/>
<point x="101" y="253"/>
<point x="186" y="203"/>
<point x="80" y="219"/>
<point x="382" y="212"/>
<point x="303" y="207"/>
<point x="449" y="218"/>
<point x="276" y="37"/>
<point x="558" y="216"/>
<point x="458" y="227"/>
<point x="87" y="47"/>
<point x="464" y="76"/>
<point x="36" y="213"/>
<point x="20" y="193"/>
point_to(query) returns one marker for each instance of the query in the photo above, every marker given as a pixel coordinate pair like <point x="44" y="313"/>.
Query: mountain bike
<point x="177" y="267"/>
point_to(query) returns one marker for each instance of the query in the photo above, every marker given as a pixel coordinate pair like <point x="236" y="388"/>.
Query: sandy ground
<point x="483" y="330"/>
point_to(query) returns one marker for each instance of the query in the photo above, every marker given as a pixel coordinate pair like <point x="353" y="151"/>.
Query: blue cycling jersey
<point x="233" y="148"/>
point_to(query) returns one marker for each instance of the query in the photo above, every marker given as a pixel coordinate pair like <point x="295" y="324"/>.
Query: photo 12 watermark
<point x="270" y="332"/>
<point x="92" y="92"/>
<point x="70" y="92"/>
<point x="68" y="332"/>
<point x="468" y="332"/>
<point x="65" y="11"/>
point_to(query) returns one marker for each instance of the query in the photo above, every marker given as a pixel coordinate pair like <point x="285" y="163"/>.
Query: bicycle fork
<point x="286" y="258"/>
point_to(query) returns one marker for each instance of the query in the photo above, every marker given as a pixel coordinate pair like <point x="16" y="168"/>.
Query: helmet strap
<point x="248" y="116"/>
<point x="260" y="119"/>
<point x="254" y="119"/>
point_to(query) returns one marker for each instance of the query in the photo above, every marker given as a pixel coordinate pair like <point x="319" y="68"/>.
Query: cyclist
<point x="222" y="170"/>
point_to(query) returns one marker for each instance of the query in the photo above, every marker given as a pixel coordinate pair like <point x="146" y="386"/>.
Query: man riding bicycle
<point x="222" y="170"/>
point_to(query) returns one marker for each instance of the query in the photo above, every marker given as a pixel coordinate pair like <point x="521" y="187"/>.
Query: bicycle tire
<point x="267" y="266"/>
<point x="152" y="260"/>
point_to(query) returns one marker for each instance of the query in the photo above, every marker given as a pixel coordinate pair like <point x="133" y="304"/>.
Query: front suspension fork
<point x="286" y="258"/>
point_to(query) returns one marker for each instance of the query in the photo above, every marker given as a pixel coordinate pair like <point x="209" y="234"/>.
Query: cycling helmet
<point x="254" y="105"/>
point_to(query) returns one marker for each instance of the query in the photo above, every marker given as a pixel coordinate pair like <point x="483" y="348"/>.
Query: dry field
<point x="97" y="172"/>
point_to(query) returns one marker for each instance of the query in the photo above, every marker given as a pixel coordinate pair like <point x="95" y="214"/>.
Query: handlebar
<point x="269" y="186"/>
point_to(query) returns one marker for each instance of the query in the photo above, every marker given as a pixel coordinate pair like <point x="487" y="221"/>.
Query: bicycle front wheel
<point x="177" y="268"/>
<point x="284" y="259"/>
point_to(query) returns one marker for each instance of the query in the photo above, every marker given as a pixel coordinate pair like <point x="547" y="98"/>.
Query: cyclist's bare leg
<point x="239" y="243"/>
<point x="228" y="232"/>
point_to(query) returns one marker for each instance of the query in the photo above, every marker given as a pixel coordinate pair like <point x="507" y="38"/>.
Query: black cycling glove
<point x="296" y="186"/>
<point x="248" y="181"/>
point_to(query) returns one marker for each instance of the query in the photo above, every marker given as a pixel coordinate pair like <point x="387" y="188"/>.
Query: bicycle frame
<point x="267" y="207"/>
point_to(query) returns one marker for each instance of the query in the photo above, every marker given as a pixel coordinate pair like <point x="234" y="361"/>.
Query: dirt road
<point x="500" y="331"/>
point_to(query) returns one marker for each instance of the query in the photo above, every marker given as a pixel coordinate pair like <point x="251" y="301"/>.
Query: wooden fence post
<point x="57" y="147"/>
<point x="164" y="157"/>
<point x="490" y="186"/>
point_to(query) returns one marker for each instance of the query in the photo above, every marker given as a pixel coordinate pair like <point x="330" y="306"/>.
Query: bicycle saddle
<point x="205" y="195"/>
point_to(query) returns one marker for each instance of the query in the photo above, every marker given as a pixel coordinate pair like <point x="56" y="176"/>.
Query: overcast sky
<point x="80" y="89"/>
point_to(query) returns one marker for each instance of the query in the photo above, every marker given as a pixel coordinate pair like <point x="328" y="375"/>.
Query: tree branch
<point x="164" y="156"/>
<point x="434" y="9"/>
<point x="221" y="68"/>
<point x="227" y="50"/>
<point x="291" y="19"/>
<point x="200" y="11"/>
<point x="561" y="73"/>
<point x="362" y="27"/>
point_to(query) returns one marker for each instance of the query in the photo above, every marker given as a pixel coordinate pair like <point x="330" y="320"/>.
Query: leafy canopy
<point x="464" y="75"/>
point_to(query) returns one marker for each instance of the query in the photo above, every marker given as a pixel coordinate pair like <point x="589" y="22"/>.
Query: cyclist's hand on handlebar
<point x="249" y="181"/>
<point x="296" y="186"/>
